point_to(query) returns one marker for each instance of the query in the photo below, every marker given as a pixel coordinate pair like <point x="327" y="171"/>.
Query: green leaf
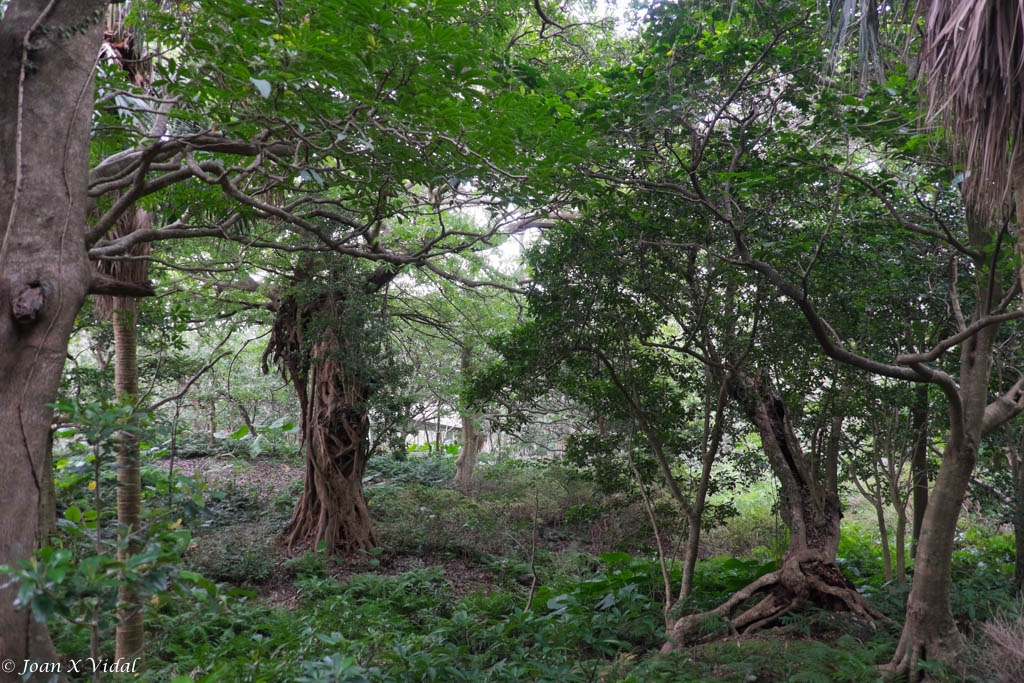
<point x="73" y="514"/>
<point x="239" y="433"/>
<point x="43" y="607"/>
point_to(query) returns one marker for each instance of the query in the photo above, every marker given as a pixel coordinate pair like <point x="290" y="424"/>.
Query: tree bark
<point x="714" y="427"/>
<point x="472" y="443"/>
<point x="883" y="534"/>
<point x="332" y="509"/>
<point x="129" y="636"/>
<point x="48" y="497"/>
<point x="930" y="632"/>
<point x="316" y="347"/>
<point x="919" y="462"/>
<point x="123" y="310"/>
<point x="45" y="116"/>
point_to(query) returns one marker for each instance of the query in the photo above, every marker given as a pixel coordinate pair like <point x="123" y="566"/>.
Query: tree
<point x="722" y="120"/>
<point x="604" y="331"/>
<point x="335" y="127"/>
<point x="47" y="53"/>
<point x="329" y="343"/>
<point x="123" y="310"/>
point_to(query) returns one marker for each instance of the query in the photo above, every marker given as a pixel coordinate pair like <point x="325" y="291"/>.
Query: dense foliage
<point x="502" y="341"/>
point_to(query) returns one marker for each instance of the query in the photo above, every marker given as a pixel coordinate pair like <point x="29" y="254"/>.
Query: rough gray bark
<point x="45" y="114"/>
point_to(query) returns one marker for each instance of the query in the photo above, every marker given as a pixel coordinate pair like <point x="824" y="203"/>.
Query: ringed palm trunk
<point x="129" y="636"/>
<point x="123" y="311"/>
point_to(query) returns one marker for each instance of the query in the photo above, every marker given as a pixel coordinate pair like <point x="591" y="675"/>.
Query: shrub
<point x="419" y="519"/>
<point x="222" y="560"/>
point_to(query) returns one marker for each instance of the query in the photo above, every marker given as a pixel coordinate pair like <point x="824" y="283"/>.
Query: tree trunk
<point x="1017" y="469"/>
<point x="129" y="636"/>
<point x="472" y="443"/>
<point x="714" y="426"/>
<point x="930" y="631"/>
<point x="123" y="312"/>
<point x="332" y="509"/>
<point x="45" y="115"/>
<point x="212" y="420"/>
<point x="472" y="439"/>
<point x="919" y="462"/>
<point x="48" y="497"/>
<point x="692" y="547"/>
<point x="883" y="533"/>
<point x="317" y="343"/>
<point x="810" y="510"/>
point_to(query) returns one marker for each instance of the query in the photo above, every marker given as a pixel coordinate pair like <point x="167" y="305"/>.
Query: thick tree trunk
<point x="45" y="114"/>
<point x="809" y="508"/>
<point x="332" y="509"/>
<point x="472" y="443"/>
<point x="318" y="345"/>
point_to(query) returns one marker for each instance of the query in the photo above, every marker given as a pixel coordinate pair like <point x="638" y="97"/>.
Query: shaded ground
<point x="267" y="477"/>
<point x="254" y="532"/>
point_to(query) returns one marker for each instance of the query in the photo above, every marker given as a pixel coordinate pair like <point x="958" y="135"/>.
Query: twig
<point x="665" y="577"/>
<point x="533" y="553"/>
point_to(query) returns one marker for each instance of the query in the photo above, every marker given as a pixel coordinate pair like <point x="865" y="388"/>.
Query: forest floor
<point x="276" y="479"/>
<point x="456" y="572"/>
<point x="268" y="477"/>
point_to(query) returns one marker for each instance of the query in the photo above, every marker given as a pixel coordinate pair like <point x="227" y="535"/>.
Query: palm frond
<point x="974" y="65"/>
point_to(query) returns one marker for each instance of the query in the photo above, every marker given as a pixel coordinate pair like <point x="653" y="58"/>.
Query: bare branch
<point x="189" y="383"/>
<point x="965" y="334"/>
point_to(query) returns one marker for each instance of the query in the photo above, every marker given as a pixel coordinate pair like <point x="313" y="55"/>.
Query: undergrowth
<point x="552" y="608"/>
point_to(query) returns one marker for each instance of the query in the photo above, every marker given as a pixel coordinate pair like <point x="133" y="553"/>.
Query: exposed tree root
<point x="804" y="576"/>
<point x="932" y="641"/>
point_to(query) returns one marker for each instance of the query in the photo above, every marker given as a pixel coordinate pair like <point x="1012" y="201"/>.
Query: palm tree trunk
<point x="129" y="636"/>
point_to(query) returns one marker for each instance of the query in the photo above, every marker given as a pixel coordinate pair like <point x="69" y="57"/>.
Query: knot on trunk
<point x="27" y="304"/>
